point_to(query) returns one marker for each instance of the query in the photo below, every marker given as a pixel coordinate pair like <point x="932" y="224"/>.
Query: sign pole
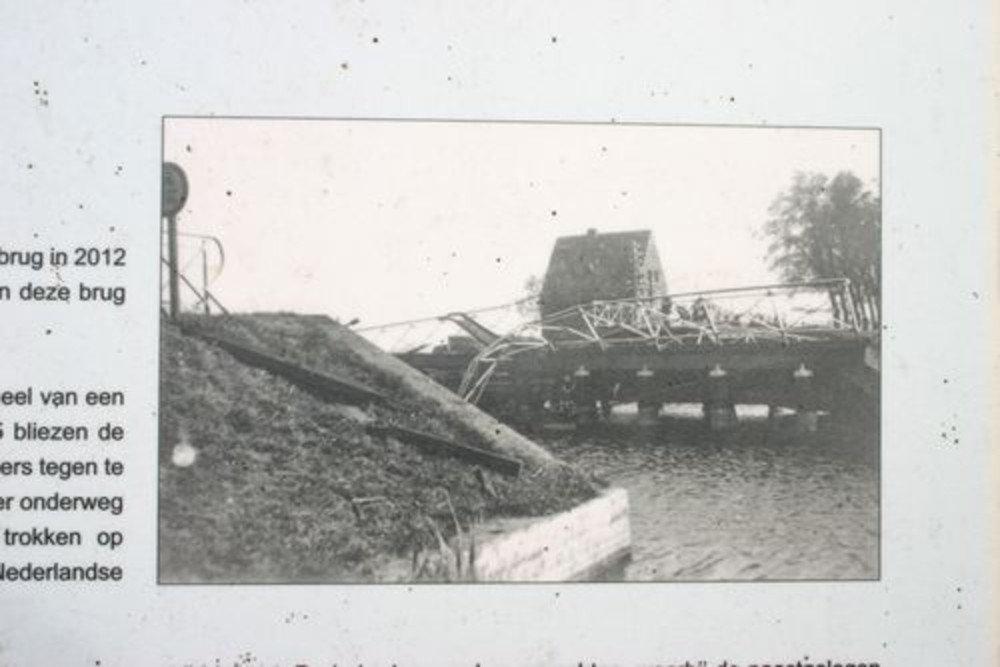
<point x="175" y="279"/>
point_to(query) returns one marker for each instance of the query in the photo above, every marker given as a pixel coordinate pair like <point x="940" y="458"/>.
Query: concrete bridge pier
<point x="806" y="415"/>
<point x="719" y="408"/>
<point x="584" y="397"/>
<point x="649" y="403"/>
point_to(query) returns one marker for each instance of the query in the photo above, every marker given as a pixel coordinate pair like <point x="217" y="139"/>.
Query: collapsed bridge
<point x="806" y="346"/>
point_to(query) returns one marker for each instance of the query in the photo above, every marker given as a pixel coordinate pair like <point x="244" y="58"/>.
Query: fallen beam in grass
<point x="322" y="385"/>
<point x="433" y="444"/>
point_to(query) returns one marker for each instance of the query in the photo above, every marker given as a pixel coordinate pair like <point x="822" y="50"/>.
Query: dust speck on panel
<point x="41" y="94"/>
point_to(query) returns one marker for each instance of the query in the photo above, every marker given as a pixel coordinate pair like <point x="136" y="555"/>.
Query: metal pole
<point x="204" y="276"/>
<point x="175" y="283"/>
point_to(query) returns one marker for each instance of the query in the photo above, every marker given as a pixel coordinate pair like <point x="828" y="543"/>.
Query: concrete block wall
<point x="572" y="545"/>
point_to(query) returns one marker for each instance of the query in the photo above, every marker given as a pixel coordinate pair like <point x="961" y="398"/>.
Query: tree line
<point x="825" y="227"/>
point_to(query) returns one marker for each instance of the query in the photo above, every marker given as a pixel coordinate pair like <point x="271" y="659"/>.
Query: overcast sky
<point x="386" y="220"/>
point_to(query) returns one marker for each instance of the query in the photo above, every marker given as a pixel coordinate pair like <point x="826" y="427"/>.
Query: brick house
<point x="593" y="266"/>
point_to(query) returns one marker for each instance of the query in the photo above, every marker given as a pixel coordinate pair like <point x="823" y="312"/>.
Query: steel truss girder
<point x="686" y="323"/>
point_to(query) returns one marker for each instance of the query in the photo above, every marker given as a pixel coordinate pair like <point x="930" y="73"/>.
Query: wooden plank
<point x="323" y="385"/>
<point x="434" y="444"/>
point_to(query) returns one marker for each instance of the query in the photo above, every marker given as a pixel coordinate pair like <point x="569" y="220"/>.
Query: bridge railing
<point x="476" y="328"/>
<point x="770" y="312"/>
<point x="201" y="259"/>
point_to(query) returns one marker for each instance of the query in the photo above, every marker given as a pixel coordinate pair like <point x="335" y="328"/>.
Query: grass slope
<point x="286" y="487"/>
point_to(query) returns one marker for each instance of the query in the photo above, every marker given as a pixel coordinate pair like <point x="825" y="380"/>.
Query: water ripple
<point x="759" y="503"/>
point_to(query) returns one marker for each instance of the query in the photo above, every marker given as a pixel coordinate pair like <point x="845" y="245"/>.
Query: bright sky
<point x="392" y="220"/>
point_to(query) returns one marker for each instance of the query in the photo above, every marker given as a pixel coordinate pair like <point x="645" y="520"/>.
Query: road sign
<point x="175" y="189"/>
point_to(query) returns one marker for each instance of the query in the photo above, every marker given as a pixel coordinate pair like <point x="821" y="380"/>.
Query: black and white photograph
<point x="500" y="334"/>
<point x="450" y="351"/>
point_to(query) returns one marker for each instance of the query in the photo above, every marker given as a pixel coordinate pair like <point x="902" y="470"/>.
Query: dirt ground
<point x="287" y="487"/>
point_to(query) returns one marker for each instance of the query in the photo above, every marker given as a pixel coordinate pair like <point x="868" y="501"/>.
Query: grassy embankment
<point x="288" y="487"/>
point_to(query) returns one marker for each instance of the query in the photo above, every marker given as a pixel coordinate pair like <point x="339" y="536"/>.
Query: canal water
<point x="759" y="502"/>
